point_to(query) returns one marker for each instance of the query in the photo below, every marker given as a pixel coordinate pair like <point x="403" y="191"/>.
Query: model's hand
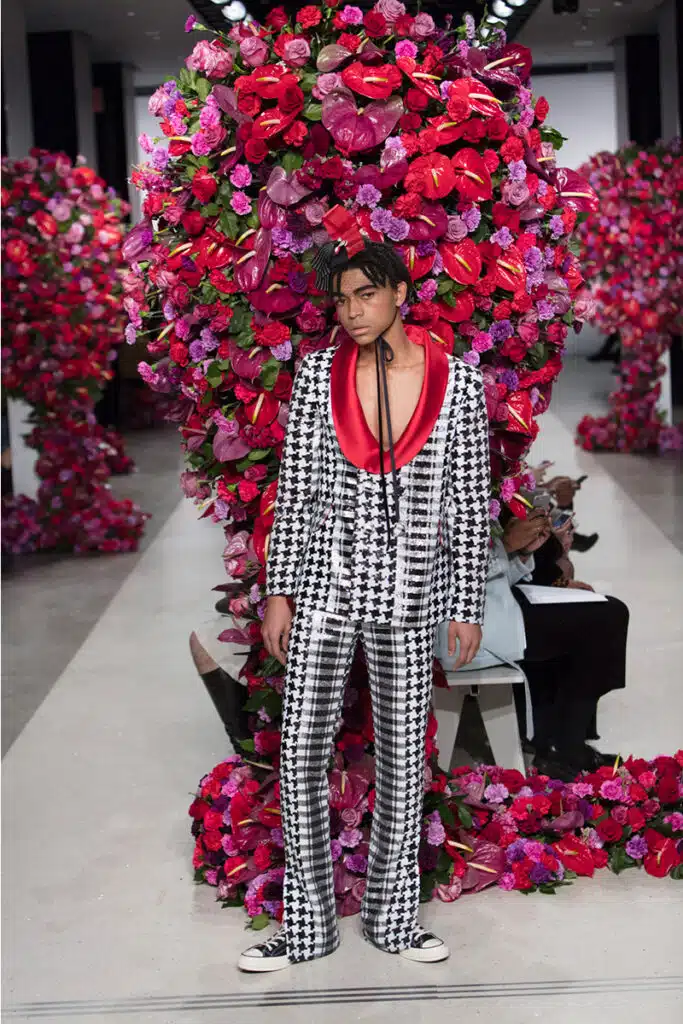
<point x="277" y="623"/>
<point x="469" y="636"/>
<point x="578" y="585"/>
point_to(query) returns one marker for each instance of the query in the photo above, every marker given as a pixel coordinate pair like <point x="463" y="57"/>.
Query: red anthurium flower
<point x="508" y="269"/>
<point x="363" y="217"/>
<point x="461" y="260"/>
<point x="461" y="311"/>
<point x="263" y="410"/>
<point x="418" y="266"/>
<point x="424" y="80"/>
<point x="575" y="855"/>
<point x="512" y="59"/>
<point x="432" y="176"/>
<point x="332" y="57"/>
<point x="442" y="334"/>
<point x="468" y="96"/>
<point x="251" y="266"/>
<point x="271" y="122"/>
<point x="574" y="191"/>
<point x="266" y="81"/>
<point x="521" y="413"/>
<point x="429" y="224"/>
<point x="355" y="130"/>
<point x="377" y="82"/>
<point x="446" y="128"/>
<point x="472" y="177"/>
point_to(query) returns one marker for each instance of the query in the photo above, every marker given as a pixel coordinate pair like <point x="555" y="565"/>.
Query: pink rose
<point x="75" y="233"/>
<point x="211" y="59"/>
<point x="457" y="230"/>
<point x="314" y="212"/>
<point x="297" y="52"/>
<point x="351" y="817"/>
<point x="254" y="51"/>
<point x="391" y="9"/>
<point x="515" y="192"/>
<point x="326" y="83"/>
<point x="528" y="332"/>
<point x="620" y="814"/>
<point x="423" y="27"/>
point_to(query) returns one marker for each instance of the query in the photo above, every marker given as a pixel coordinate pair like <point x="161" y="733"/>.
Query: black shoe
<point x="228" y="696"/>
<point x="270" y="955"/>
<point x="556" y="768"/>
<point x="582" y="543"/>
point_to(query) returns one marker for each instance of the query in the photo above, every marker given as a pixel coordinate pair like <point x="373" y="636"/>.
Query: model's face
<point x="365" y="310"/>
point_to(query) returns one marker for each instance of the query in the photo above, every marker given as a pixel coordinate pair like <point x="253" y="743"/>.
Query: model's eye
<point x="367" y="295"/>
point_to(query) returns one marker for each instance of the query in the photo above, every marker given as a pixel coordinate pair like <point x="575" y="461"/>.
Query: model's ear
<point x="401" y="293"/>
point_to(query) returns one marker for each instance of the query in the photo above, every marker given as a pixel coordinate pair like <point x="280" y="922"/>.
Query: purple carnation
<point x="496" y="793"/>
<point x="533" y="258"/>
<point x="517" y="170"/>
<point x="557" y="226"/>
<point x="515" y="851"/>
<point x="398" y="229"/>
<point x="539" y="875"/>
<point x="503" y="238"/>
<point x="436" y="833"/>
<point x="510" y="379"/>
<point x="130" y="334"/>
<point x="197" y="351"/>
<point x="336" y="849"/>
<point x="282" y="237"/>
<point x="283" y="352"/>
<point x="426" y="248"/>
<point x="368" y="195"/>
<point x="471" y="218"/>
<point x="494" y="508"/>
<point x="209" y="340"/>
<point x="501" y="331"/>
<point x="472" y="358"/>
<point x="636" y="847"/>
<point x="352" y="16"/>
<point x="357" y="863"/>
<point x="545" y="310"/>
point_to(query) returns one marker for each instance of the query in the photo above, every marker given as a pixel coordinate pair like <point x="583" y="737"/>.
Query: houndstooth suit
<point x="329" y="551"/>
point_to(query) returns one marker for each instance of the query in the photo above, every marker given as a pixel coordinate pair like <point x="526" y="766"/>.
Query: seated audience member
<point x="562" y="490"/>
<point x="574" y="654"/>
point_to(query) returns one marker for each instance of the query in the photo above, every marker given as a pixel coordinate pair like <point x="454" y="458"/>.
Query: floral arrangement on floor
<point x="633" y="248"/>
<point x="63" y="319"/>
<point x="482" y="826"/>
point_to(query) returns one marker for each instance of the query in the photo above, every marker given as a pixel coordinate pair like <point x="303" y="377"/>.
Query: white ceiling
<point x="146" y="33"/>
<point x="588" y="35"/>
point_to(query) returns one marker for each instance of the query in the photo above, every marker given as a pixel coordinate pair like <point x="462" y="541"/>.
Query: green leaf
<point x="444" y="286"/>
<point x="271" y="666"/>
<point x="537" y="356"/>
<point x="292" y="161"/>
<point x="464" y="815"/>
<point x="313" y="112"/>
<point x="552" y="135"/>
<point x="677" y="873"/>
<point x="248" y="745"/>
<point x="270" y="372"/>
<point x="229" y="224"/>
<point x="210" y="210"/>
<point x="260" y="921"/>
<point x="308" y="80"/>
<point x="547" y="889"/>
<point x="203" y="88"/>
<point x="214" y="375"/>
<point x="258" y="453"/>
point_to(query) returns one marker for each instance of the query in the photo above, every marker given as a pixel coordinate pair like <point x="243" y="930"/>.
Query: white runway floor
<point x="102" y="920"/>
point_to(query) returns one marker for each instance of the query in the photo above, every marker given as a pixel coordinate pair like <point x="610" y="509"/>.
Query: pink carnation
<point x="241" y="204"/>
<point x="405" y="48"/>
<point x="211" y="59"/>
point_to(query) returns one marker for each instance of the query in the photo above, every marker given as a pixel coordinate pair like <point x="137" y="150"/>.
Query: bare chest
<point x="405" y="388"/>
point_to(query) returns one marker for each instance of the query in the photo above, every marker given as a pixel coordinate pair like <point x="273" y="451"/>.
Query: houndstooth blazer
<point x="328" y="546"/>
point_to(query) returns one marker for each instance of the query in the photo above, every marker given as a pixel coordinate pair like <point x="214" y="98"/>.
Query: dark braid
<point x="379" y="261"/>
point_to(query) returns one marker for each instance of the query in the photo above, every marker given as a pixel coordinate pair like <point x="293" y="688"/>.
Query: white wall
<point x="584" y="108"/>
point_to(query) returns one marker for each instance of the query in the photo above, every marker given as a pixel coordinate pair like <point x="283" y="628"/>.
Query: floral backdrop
<point x="632" y="248"/>
<point x="62" y="322"/>
<point x="432" y="139"/>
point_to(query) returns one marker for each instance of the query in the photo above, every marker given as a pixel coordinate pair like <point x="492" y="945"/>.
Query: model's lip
<point x="359" y="330"/>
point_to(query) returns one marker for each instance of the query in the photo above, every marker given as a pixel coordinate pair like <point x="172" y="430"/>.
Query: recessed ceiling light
<point x="501" y="9"/>
<point x="234" y="11"/>
<point x="516" y="3"/>
<point x="584" y="42"/>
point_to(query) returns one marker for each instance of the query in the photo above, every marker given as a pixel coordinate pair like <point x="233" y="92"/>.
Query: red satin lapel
<point x="355" y="438"/>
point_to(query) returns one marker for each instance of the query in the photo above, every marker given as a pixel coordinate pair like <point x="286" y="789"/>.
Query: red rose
<point x="309" y="17"/>
<point x="410" y="123"/>
<point x="256" y="151"/>
<point x="178" y="147"/>
<point x="667" y="790"/>
<point x="403" y="25"/>
<point x="296" y="134"/>
<point x="198" y="809"/>
<point x="277" y="18"/>
<point x="290" y="100"/>
<point x="541" y="109"/>
<point x="497" y="128"/>
<point x="375" y="24"/>
<point x="204" y="185"/>
<point x="600" y="858"/>
<point x="636" y="818"/>
<point x="514" y="348"/>
<point x="521" y="875"/>
<point x="557" y="333"/>
<point x="609" y="830"/>
<point x="416" y="100"/>
<point x="193" y="222"/>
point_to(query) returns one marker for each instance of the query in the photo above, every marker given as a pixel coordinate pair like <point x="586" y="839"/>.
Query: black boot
<point x="228" y="696"/>
<point x="581" y="542"/>
<point x="609" y="352"/>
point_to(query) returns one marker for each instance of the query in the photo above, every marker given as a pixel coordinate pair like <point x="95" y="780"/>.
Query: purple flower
<point x="494" y="508"/>
<point x="636" y="848"/>
<point x="209" y="340"/>
<point x="297" y="282"/>
<point x="197" y="351"/>
<point x="539" y="875"/>
<point x="357" y="863"/>
<point x="517" y="170"/>
<point x="368" y="195"/>
<point x="241" y="176"/>
<point x="398" y="229"/>
<point x="336" y="848"/>
<point x="545" y="310"/>
<point x="510" y="379"/>
<point x="380" y="219"/>
<point x="557" y="226"/>
<point x="130" y="334"/>
<point x="470" y="27"/>
<point x="437" y="265"/>
<point x="533" y="258"/>
<point x="406" y="49"/>
<point x="457" y="229"/>
<point x="496" y="793"/>
<point x="506" y="882"/>
<point x="282" y="237"/>
<point x="191" y="22"/>
<point x="428" y="290"/>
<point x="503" y="238"/>
<point x="436" y="833"/>
<point x="283" y="352"/>
<point x="612" y="789"/>
<point x="472" y="218"/>
<point x="426" y="248"/>
<point x="515" y="851"/>
<point x="350" y="837"/>
<point x="160" y="157"/>
<point x="501" y="331"/>
<point x="472" y="358"/>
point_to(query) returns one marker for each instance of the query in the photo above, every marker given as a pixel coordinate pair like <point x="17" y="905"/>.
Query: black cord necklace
<point x="385" y="354"/>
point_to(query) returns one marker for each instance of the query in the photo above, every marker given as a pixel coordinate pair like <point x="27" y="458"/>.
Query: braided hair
<point x="379" y="261"/>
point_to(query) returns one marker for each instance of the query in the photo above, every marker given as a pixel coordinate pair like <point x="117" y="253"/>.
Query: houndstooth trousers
<point x="320" y="653"/>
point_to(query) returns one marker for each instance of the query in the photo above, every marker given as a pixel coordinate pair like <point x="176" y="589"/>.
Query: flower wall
<point x="633" y="251"/>
<point x="62" y="321"/>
